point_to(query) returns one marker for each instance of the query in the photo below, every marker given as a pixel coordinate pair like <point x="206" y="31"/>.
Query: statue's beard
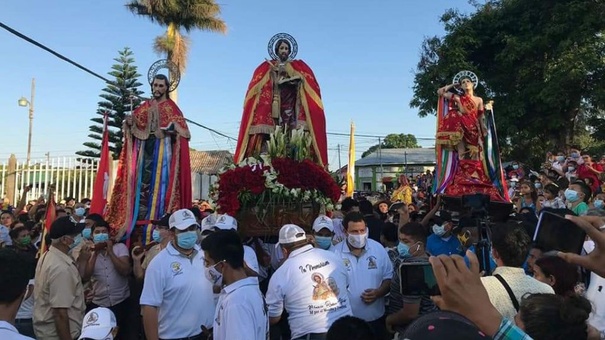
<point x="283" y="57"/>
<point x="159" y="95"/>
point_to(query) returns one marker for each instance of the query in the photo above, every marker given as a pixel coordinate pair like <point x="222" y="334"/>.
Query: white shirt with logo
<point x="176" y="285"/>
<point x="241" y="312"/>
<point x="367" y="271"/>
<point x="312" y="286"/>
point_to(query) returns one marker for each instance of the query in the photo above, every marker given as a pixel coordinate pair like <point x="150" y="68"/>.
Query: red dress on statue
<point x="468" y="176"/>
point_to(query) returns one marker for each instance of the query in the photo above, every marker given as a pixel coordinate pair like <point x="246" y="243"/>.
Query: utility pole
<point x="24" y="102"/>
<point x="380" y="158"/>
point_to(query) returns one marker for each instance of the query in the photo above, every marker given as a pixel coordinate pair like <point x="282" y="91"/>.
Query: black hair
<point x="389" y="230"/>
<point x="552" y="189"/>
<point x="416" y="230"/>
<point x="366" y="208"/>
<point x="23" y="218"/>
<point x="351" y="328"/>
<point x="14" y="233"/>
<point x="511" y="241"/>
<point x="348" y="204"/>
<point x="566" y="274"/>
<point x="353" y="216"/>
<point x="196" y="212"/>
<point x="585" y="190"/>
<point x="14" y="275"/>
<point x="95" y="218"/>
<point x="40" y="213"/>
<point x="225" y="245"/>
<point x="99" y="224"/>
<point x="553" y="317"/>
<point x="279" y="42"/>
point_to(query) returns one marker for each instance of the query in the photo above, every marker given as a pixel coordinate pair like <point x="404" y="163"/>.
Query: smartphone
<point x="554" y="232"/>
<point x="417" y="278"/>
<point x="396" y="206"/>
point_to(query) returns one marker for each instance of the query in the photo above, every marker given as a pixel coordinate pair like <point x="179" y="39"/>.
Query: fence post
<point x="11" y="178"/>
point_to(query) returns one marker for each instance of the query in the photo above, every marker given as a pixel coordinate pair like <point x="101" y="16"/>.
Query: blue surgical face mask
<point x="575" y="155"/>
<point x="439" y="230"/>
<point x="560" y="158"/>
<point x="571" y="168"/>
<point x="571" y="195"/>
<point x="598" y="204"/>
<point x="404" y="250"/>
<point x="186" y="240"/>
<point x="86" y="233"/>
<point x="513" y="184"/>
<point x="516" y="166"/>
<point x="323" y="242"/>
<point x="538" y="185"/>
<point x="99" y="238"/>
<point x="80" y="212"/>
<point x="155" y="235"/>
<point x="77" y="241"/>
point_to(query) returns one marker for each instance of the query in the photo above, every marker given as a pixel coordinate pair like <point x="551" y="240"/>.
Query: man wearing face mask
<point x="241" y="311"/>
<point x="161" y="235"/>
<point x="109" y="268"/>
<point x="402" y="310"/>
<point x="441" y="242"/>
<point x="370" y="271"/>
<point x="323" y="231"/>
<point x="311" y="285"/>
<point x="58" y="290"/>
<point x="175" y="286"/>
<point x="512" y="186"/>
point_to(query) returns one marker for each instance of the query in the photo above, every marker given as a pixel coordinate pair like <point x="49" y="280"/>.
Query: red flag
<point x="98" y="202"/>
<point x="49" y="218"/>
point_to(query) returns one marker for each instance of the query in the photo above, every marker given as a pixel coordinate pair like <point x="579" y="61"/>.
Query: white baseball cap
<point x="291" y="233"/>
<point x="225" y="222"/>
<point x="98" y="324"/>
<point x="182" y="219"/>
<point x="323" y="221"/>
<point x="208" y="222"/>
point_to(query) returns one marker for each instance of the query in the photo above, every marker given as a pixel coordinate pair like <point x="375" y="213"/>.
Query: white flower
<point x="330" y="207"/>
<point x="275" y="190"/>
<point x="294" y="192"/>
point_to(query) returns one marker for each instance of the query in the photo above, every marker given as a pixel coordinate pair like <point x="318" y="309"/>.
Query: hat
<point x="225" y="222"/>
<point x="514" y="179"/>
<point x="323" y="221"/>
<point x="443" y="325"/>
<point x="208" y="222"/>
<point x="291" y="233"/>
<point x="163" y="221"/>
<point x="97" y="324"/>
<point x="66" y="225"/>
<point x="441" y="216"/>
<point x="182" y="219"/>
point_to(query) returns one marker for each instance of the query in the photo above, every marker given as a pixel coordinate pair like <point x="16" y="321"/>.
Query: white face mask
<point x="438" y="230"/>
<point x="213" y="275"/>
<point x="358" y="241"/>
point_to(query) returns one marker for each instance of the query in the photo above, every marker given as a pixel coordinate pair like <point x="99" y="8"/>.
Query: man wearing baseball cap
<point x="99" y="324"/>
<point x="177" y="300"/>
<point x="162" y="236"/>
<point x="58" y="290"/>
<point x="323" y="231"/>
<point x="311" y="285"/>
<point x="441" y="242"/>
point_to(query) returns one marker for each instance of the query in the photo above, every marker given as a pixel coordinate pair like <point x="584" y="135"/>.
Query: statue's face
<point x="283" y="51"/>
<point x="159" y="88"/>
<point x="466" y="84"/>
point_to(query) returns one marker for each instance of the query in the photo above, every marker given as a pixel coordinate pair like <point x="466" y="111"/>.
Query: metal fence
<point x="72" y="177"/>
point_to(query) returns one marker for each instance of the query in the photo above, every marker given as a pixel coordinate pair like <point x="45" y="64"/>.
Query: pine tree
<point x="118" y="99"/>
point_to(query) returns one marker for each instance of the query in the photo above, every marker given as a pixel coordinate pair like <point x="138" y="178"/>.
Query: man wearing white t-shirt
<point x="241" y="312"/>
<point x="311" y="285"/>
<point x="177" y="300"/>
<point x="370" y="271"/>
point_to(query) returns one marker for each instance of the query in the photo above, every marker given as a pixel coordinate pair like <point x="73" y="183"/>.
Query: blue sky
<point x="363" y="55"/>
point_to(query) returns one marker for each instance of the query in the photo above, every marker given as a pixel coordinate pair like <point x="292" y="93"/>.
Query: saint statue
<point x="154" y="171"/>
<point x="468" y="160"/>
<point x="283" y="93"/>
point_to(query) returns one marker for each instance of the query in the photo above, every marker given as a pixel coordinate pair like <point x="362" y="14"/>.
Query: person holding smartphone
<point x="402" y="310"/>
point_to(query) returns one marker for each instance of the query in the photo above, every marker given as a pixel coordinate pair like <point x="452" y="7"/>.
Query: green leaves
<point x="542" y="62"/>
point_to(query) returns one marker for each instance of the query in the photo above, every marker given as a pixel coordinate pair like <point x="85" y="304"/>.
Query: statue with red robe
<point x="283" y="93"/>
<point x="154" y="171"/>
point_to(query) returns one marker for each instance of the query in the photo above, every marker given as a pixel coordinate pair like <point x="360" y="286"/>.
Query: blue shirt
<point x="492" y="263"/>
<point x="436" y="246"/>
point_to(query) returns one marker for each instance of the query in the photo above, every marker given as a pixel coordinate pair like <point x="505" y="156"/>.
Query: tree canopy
<point x="541" y="61"/>
<point x="394" y="141"/>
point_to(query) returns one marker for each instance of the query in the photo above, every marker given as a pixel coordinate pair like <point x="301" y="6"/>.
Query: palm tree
<point x="176" y="15"/>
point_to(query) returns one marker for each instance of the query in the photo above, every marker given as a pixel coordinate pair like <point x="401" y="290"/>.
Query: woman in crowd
<point x="527" y="197"/>
<point x="555" y="272"/>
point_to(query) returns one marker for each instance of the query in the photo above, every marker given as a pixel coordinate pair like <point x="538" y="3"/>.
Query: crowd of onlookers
<point x="194" y="276"/>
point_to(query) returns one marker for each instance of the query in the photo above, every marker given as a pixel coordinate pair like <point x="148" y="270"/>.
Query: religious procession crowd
<point x="200" y="279"/>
